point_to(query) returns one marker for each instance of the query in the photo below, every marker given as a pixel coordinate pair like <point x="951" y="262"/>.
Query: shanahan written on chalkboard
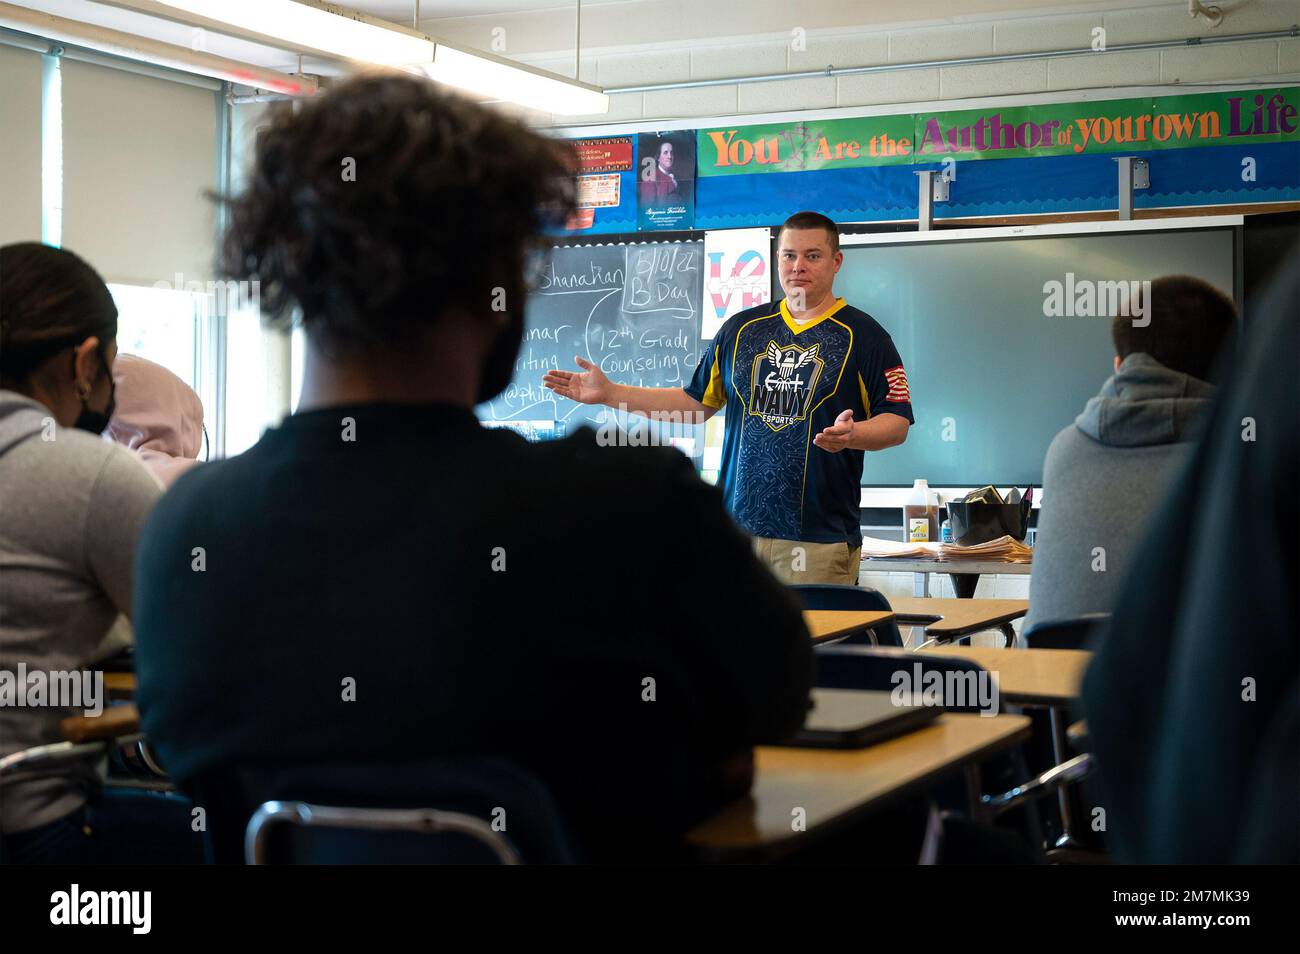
<point x="631" y="310"/>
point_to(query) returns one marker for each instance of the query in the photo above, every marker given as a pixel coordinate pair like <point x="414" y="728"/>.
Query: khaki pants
<point x="797" y="561"/>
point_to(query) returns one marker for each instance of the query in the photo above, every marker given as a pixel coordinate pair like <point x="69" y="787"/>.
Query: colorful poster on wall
<point x="737" y="274"/>
<point x="1006" y="132"/>
<point x="606" y="200"/>
<point x="666" y="180"/>
<point x="607" y="154"/>
<point x="598" y="192"/>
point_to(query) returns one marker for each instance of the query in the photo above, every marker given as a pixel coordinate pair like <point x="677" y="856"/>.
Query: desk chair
<point x="1072" y="633"/>
<point x="329" y="835"/>
<point x="115" y="733"/>
<point x="419" y="811"/>
<point x="829" y="596"/>
<point x="146" y="809"/>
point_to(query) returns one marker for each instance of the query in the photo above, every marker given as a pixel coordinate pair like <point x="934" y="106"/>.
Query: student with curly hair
<point x="380" y="578"/>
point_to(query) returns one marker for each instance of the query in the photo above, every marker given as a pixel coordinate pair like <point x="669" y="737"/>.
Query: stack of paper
<point x="1007" y="549"/>
<point x="875" y="547"/>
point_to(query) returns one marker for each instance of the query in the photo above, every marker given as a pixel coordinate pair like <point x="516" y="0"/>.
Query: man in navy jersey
<point x="811" y="383"/>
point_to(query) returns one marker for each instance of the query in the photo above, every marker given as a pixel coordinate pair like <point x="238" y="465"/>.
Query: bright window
<point x="162" y="325"/>
<point x="258" y="378"/>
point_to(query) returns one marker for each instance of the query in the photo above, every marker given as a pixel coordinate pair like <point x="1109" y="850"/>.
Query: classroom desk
<point x="119" y="685"/>
<point x="834" y="787"/>
<point x="965" y="574"/>
<point x="1036" y="677"/>
<point x="950" y="619"/>
<point x="115" y="721"/>
<point x="828" y="625"/>
<point x="1028" y="677"/>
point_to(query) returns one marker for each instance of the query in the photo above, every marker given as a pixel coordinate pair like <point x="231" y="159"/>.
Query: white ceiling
<point x="402" y="10"/>
<point x="863" y="12"/>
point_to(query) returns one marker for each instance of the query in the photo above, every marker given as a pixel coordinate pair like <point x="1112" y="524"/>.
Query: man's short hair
<point x="814" y="220"/>
<point x="388" y="200"/>
<point x="1186" y="323"/>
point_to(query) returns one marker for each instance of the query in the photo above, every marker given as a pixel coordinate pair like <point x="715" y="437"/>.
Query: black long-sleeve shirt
<point x="483" y="596"/>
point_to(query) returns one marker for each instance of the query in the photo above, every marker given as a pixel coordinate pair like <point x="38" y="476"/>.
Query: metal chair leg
<point x="1060" y="752"/>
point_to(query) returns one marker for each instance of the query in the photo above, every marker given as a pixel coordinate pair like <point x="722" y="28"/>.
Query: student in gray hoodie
<point x="1106" y="474"/>
<point x="71" y="507"/>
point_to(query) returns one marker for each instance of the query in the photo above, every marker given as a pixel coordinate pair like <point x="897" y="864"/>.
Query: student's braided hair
<point x="376" y="205"/>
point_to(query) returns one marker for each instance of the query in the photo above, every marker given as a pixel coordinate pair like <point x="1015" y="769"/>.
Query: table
<point x="1036" y="677"/>
<point x="1028" y="677"/>
<point x="119" y="685"/>
<point x="828" y="625"/>
<point x="834" y="787"/>
<point x="950" y="619"/>
<point x="965" y="574"/>
<point x="113" y="722"/>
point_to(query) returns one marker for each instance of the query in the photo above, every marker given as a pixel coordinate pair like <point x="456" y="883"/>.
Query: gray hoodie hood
<point x="1145" y="403"/>
<point x="20" y="418"/>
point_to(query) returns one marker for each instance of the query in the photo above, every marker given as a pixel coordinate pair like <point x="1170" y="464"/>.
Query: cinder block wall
<point x="678" y="41"/>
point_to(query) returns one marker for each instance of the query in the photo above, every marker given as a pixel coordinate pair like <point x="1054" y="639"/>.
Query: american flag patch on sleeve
<point x="897" y="380"/>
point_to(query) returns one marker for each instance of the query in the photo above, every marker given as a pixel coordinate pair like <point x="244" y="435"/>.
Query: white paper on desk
<point x="875" y="547"/>
<point x="1004" y="548"/>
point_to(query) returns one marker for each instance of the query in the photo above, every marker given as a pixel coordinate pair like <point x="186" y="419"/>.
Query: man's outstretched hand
<point x="836" y="437"/>
<point x="588" y="386"/>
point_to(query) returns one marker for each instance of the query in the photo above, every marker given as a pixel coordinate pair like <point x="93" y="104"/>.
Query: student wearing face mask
<point x="72" y="506"/>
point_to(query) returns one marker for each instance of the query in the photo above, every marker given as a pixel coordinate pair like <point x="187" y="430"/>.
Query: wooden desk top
<point x="114" y="721"/>
<point x="832" y="624"/>
<point x="832" y="786"/>
<point x="1044" y="677"/>
<point x="909" y="565"/>
<point x="950" y="618"/>
<point x="120" y="685"/>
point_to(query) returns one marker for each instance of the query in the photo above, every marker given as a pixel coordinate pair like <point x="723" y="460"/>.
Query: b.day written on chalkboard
<point x="631" y="310"/>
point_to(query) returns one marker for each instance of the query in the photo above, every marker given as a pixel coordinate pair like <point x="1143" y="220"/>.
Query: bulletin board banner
<point x="1210" y="175"/>
<point x="1012" y="132"/>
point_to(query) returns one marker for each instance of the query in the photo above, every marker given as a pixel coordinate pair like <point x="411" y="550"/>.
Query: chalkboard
<point x="632" y="310"/>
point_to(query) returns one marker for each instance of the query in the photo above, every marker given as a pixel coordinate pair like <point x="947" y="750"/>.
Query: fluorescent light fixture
<point x="319" y="28"/>
<point x="499" y="79"/>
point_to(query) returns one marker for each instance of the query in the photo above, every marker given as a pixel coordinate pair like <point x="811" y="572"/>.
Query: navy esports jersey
<point x="782" y="383"/>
